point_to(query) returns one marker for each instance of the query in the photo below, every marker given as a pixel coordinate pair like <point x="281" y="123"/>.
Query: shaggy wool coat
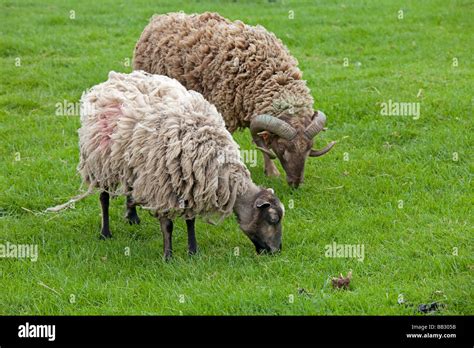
<point x="243" y="70"/>
<point x="147" y="136"/>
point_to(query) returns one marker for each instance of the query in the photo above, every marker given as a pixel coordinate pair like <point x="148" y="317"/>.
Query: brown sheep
<point x="247" y="73"/>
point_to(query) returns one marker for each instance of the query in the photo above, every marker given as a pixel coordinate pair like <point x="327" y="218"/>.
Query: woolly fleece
<point x="146" y="135"/>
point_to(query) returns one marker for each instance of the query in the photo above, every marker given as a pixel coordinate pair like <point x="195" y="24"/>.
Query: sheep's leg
<point x="131" y="214"/>
<point x="104" y="203"/>
<point x="167" y="230"/>
<point x="270" y="168"/>
<point x="192" y="244"/>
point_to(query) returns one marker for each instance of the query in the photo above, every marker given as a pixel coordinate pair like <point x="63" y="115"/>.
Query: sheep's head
<point x="259" y="216"/>
<point x="290" y="141"/>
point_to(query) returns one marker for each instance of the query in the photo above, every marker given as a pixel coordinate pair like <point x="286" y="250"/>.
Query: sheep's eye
<point x="272" y="217"/>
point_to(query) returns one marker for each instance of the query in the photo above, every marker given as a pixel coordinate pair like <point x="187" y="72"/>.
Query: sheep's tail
<point x="73" y="200"/>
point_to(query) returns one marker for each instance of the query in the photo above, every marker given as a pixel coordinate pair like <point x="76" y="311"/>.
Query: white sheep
<point x="166" y="148"/>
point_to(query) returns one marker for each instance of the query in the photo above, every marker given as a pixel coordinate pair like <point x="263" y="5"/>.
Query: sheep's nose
<point x="274" y="250"/>
<point x="294" y="181"/>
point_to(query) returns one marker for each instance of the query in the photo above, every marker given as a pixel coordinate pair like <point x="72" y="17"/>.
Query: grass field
<point x="401" y="186"/>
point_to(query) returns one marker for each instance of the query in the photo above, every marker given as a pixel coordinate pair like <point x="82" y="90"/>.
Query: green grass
<point x="408" y="250"/>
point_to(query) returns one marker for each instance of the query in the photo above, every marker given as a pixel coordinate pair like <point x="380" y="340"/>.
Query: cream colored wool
<point x="147" y="135"/>
<point x="243" y="70"/>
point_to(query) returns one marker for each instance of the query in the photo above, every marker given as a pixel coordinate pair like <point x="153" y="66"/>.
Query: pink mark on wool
<point x="107" y="121"/>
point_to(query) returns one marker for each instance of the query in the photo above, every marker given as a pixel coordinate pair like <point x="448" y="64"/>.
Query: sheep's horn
<point x="273" y="125"/>
<point x="317" y="153"/>
<point x="270" y="153"/>
<point x="316" y="126"/>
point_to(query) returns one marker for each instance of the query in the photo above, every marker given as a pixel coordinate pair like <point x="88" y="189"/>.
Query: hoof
<point x="105" y="235"/>
<point x="133" y="220"/>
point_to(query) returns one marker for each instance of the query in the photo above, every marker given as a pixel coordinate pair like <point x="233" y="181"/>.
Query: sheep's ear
<point x="262" y="203"/>
<point x="265" y="135"/>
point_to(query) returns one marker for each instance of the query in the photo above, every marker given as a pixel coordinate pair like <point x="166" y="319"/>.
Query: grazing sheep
<point x="167" y="149"/>
<point x="247" y="73"/>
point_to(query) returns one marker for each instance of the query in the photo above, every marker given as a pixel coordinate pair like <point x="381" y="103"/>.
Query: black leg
<point x="131" y="214"/>
<point x="167" y="230"/>
<point x="104" y="203"/>
<point x="192" y="244"/>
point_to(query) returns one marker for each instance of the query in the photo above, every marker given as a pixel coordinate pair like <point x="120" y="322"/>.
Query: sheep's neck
<point x="244" y="203"/>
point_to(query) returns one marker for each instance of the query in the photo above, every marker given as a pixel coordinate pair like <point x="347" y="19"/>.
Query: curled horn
<point x="316" y="126"/>
<point x="273" y="125"/>
<point x="270" y="153"/>
<point x="317" y="153"/>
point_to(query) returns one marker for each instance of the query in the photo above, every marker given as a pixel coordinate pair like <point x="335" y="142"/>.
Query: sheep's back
<point x="240" y="69"/>
<point x="150" y="136"/>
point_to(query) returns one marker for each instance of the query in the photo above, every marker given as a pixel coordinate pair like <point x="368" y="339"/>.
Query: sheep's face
<point x="261" y="221"/>
<point x="292" y="155"/>
<point x="290" y="139"/>
<point x="293" y="152"/>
